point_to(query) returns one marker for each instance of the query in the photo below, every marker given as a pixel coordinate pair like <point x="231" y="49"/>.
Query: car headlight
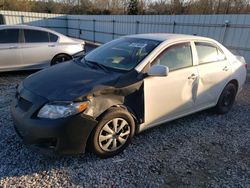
<point x="58" y="110"/>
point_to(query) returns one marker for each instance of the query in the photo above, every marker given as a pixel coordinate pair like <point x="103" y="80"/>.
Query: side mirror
<point x="158" y="70"/>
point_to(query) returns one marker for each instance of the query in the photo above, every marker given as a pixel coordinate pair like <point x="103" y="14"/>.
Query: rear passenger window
<point x="32" y="36"/>
<point x="52" y="37"/>
<point x="176" y="57"/>
<point x="208" y="53"/>
<point x="9" y="36"/>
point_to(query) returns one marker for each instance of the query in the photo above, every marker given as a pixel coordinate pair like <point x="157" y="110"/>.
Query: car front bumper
<point x="61" y="136"/>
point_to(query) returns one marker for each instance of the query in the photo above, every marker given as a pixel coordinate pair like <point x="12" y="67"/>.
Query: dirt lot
<point x="203" y="149"/>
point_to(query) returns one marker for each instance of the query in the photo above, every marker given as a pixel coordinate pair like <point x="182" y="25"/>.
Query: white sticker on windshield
<point x="138" y="45"/>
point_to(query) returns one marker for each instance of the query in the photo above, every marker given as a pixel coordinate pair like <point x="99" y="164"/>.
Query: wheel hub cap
<point x="227" y="98"/>
<point x="114" y="134"/>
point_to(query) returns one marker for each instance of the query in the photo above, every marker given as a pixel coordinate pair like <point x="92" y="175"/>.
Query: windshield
<point x="122" y="54"/>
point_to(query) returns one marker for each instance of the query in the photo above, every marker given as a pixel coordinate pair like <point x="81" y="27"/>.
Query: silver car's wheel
<point x="114" y="134"/>
<point x="60" y="59"/>
<point x="226" y="99"/>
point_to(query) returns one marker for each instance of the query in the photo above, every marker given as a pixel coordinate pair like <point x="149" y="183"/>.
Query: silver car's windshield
<point x="123" y="54"/>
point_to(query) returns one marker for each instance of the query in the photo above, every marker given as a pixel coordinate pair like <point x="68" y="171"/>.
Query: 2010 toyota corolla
<point x="122" y="88"/>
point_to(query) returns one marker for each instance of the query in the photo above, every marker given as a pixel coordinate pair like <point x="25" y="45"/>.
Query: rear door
<point x="214" y="73"/>
<point x="10" y="52"/>
<point x="37" y="51"/>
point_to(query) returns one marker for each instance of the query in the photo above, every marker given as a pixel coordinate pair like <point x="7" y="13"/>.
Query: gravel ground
<point x="203" y="149"/>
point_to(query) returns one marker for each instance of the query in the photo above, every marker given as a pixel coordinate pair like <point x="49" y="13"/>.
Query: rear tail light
<point x="246" y="65"/>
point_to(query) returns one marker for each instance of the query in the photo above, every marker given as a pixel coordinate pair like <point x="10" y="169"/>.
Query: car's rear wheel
<point x="113" y="133"/>
<point x="60" y="58"/>
<point x="227" y="99"/>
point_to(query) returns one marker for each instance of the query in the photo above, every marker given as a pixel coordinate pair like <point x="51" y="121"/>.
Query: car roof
<point x="28" y="27"/>
<point x="167" y="36"/>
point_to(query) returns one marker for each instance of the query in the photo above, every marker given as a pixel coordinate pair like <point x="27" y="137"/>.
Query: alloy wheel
<point x="114" y="134"/>
<point x="228" y="98"/>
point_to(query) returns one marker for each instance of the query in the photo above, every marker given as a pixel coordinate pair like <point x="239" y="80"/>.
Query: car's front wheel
<point x="113" y="133"/>
<point x="226" y="99"/>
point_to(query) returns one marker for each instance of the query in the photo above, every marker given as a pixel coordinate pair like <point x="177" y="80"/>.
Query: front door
<point x="169" y="97"/>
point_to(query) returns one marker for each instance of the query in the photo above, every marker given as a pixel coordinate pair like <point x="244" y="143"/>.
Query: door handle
<point x="51" y="45"/>
<point x="192" y="77"/>
<point x="225" y="68"/>
<point x="13" y="47"/>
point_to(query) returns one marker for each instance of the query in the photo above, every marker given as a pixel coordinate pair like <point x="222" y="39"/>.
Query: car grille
<point x="23" y="104"/>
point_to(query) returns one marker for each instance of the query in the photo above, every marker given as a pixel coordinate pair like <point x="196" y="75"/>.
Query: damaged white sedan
<point x="124" y="87"/>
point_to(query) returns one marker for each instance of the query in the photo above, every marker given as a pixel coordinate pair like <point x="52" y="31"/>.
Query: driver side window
<point x="176" y="57"/>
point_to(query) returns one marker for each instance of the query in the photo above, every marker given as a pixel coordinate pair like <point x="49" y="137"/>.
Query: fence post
<point x="79" y="27"/>
<point x="67" y="25"/>
<point x="45" y="22"/>
<point x="94" y="30"/>
<point x="137" y="27"/>
<point x="225" y="30"/>
<point x="22" y="19"/>
<point x="174" y="23"/>
<point x="113" y="32"/>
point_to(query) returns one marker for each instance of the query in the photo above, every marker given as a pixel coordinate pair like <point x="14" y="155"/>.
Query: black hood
<point x="67" y="81"/>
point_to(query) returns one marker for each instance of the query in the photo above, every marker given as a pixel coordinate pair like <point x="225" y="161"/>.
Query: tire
<point x="226" y="100"/>
<point x="60" y="58"/>
<point x="105" y="136"/>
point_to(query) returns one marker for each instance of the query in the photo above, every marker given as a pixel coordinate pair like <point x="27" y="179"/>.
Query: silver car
<point x="25" y="47"/>
<point x="122" y="88"/>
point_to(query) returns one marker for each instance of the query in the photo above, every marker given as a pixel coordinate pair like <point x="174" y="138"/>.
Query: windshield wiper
<point x="90" y="63"/>
<point x="100" y="66"/>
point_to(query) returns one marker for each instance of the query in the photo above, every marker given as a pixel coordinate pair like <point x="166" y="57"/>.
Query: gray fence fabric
<point x="231" y="30"/>
<point x="56" y="22"/>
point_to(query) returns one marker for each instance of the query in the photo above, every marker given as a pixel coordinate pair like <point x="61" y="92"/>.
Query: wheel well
<point x="133" y="114"/>
<point x="116" y="106"/>
<point x="51" y="62"/>
<point x="235" y="82"/>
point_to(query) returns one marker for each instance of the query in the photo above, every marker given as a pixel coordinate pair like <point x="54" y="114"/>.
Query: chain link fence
<point x="231" y="30"/>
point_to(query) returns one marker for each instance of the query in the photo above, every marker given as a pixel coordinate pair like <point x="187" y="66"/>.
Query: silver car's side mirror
<point x="158" y="70"/>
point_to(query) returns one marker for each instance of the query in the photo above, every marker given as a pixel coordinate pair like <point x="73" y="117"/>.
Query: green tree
<point x="133" y="7"/>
